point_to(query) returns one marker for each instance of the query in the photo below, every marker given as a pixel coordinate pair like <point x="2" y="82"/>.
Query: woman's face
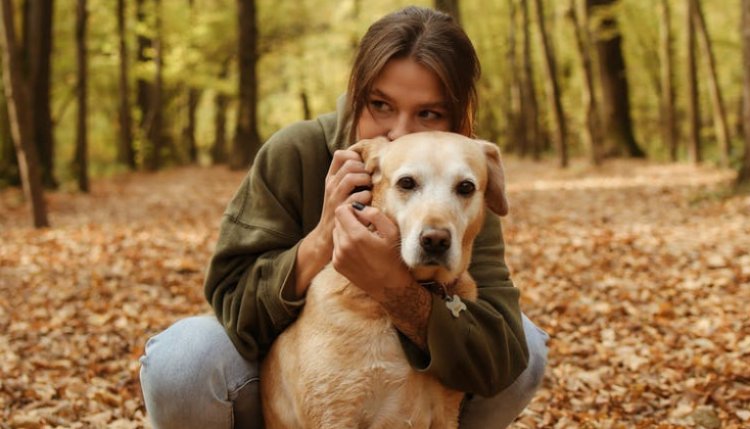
<point x="406" y="98"/>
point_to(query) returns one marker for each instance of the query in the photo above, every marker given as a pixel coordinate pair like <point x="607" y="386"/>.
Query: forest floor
<point x="639" y="272"/>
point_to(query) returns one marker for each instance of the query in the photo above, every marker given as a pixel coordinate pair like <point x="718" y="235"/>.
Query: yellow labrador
<point x="341" y="365"/>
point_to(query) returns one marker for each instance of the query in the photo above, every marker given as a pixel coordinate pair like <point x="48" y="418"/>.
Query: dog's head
<point x="435" y="186"/>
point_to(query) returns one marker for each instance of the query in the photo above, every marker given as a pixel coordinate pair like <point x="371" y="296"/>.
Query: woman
<point x="415" y="71"/>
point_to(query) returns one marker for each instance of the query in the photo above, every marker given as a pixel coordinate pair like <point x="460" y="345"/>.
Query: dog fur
<point x="341" y="365"/>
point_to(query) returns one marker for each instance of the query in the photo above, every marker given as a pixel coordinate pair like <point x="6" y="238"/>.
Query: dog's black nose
<point x="435" y="241"/>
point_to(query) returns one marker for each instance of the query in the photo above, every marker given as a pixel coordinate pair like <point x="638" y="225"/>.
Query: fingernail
<point x="358" y="206"/>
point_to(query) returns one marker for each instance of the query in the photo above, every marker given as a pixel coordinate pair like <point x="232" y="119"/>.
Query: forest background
<point x="625" y="127"/>
<point x="168" y="79"/>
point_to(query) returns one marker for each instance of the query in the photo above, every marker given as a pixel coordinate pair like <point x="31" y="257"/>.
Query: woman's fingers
<point x="340" y="157"/>
<point x="382" y="224"/>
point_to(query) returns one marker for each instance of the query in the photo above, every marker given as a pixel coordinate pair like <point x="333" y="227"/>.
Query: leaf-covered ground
<point x="639" y="272"/>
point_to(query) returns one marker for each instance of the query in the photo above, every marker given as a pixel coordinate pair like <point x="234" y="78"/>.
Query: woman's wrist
<point x="409" y="307"/>
<point x="313" y="254"/>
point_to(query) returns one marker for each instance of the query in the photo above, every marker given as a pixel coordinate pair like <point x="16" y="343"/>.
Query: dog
<point x="340" y="364"/>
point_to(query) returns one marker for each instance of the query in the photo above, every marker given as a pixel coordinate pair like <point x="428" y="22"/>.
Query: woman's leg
<point x="499" y="411"/>
<point x="193" y="377"/>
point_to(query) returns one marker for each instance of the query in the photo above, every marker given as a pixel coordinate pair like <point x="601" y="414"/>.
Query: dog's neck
<point x="441" y="289"/>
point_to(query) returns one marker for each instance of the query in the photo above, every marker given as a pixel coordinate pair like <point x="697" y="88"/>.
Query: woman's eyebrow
<point x="378" y="93"/>
<point x="440" y="104"/>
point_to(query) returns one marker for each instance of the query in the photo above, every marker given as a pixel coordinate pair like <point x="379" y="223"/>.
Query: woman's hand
<point x="346" y="173"/>
<point x="366" y="251"/>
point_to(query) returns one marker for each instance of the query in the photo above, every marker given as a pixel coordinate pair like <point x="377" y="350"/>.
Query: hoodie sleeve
<point x="253" y="264"/>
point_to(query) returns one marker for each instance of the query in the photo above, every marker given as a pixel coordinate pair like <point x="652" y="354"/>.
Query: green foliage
<point x="307" y="46"/>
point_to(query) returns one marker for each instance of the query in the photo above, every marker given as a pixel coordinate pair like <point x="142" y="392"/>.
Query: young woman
<point x="415" y="71"/>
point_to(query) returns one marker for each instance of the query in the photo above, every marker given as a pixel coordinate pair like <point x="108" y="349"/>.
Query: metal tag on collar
<point x="455" y="305"/>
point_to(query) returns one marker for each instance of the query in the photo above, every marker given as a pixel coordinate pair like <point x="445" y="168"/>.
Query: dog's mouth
<point x="433" y="261"/>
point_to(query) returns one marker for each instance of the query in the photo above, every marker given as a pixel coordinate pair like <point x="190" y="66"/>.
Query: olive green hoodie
<point x="280" y="201"/>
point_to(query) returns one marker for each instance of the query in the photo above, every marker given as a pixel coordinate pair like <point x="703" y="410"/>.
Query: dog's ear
<point x="369" y="150"/>
<point x="495" y="194"/>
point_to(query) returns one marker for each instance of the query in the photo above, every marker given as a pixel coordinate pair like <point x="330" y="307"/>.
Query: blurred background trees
<point x="173" y="82"/>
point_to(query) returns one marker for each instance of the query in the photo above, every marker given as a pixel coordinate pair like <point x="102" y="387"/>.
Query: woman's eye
<point x="406" y="183"/>
<point x="379" y="106"/>
<point x="465" y="188"/>
<point x="430" y="115"/>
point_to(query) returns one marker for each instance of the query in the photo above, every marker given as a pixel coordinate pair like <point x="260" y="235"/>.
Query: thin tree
<point x="188" y="131"/>
<point x="553" y="87"/>
<point x="514" y="113"/>
<point x="613" y="76"/>
<point x="8" y="163"/>
<point x="221" y="102"/>
<point x="668" y="116"/>
<point x="143" y="45"/>
<point x="153" y="121"/>
<point x="37" y="31"/>
<point x="579" y="18"/>
<point x="721" y="125"/>
<point x="193" y="97"/>
<point x="17" y="96"/>
<point x="305" y="103"/>
<point x="246" y="139"/>
<point x="80" y="163"/>
<point x="125" y="150"/>
<point x="450" y="7"/>
<point x="530" y="108"/>
<point x="743" y="178"/>
<point x="694" y="140"/>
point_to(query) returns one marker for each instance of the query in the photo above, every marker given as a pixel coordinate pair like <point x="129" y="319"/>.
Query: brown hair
<point x="432" y="39"/>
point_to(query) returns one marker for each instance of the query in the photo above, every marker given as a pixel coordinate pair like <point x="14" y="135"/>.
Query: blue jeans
<point x="193" y="377"/>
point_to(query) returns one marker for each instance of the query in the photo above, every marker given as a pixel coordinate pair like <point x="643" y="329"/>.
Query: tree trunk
<point x="221" y="101"/>
<point x="144" y="87"/>
<point x="530" y="108"/>
<point x="450" y="7"/>
<point x="738" y="125"/>
<point x="721" y="125"/>
<point x="617" y="121"/>
<point x="81" y="155"/>
<point x="305" y="101"/>
<point x="219" y="148"/>
<point x="188" y="132"/>
<point x="694" y="138"/>
<point x="553" y="88"/>
<point x="153" y="123"/>
<point x="593" y="133"/>
<point x="246" y="139"/>
<point x="514" y="113"/>
<point x="668" y="117"/>
<point x="17" y="95"/>
<point x="125" y="150"/>
<point x="743" y="178"/>
<point x="193" y="97"/>
<point x="38" y="50"/>
<point x="8" y="162"/>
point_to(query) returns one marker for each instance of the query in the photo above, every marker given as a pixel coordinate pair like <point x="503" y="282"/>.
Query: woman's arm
<point x="276" y="232"/>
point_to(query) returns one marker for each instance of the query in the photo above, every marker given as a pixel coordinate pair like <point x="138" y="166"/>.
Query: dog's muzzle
<point x="435" y="243"/>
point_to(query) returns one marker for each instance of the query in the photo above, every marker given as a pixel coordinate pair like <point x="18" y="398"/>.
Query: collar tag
<point x="455" y="305"/>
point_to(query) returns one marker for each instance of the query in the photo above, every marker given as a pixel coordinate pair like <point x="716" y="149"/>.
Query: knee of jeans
<point x="537" y="364"/>
<point x="193" y="352"/>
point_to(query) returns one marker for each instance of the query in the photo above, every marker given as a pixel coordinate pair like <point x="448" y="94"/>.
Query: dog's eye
<point x="406" y="183"/>
<point x="465" y="188"/>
